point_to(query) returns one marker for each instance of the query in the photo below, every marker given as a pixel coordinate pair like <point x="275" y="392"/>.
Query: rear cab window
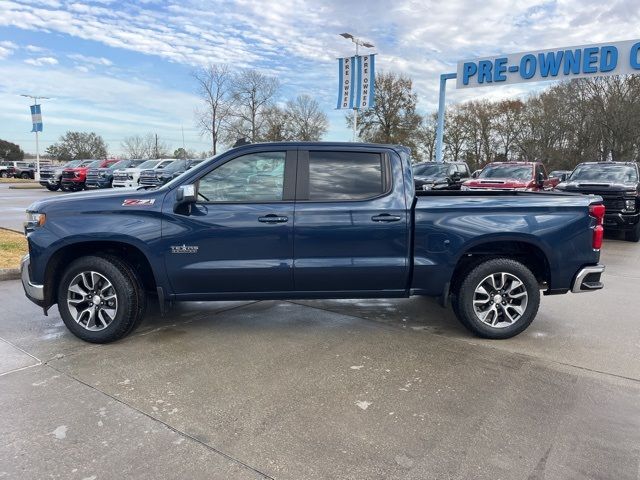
<point x="345" y="176"/>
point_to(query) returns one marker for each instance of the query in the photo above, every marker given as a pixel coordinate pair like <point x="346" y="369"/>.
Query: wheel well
<point x="130" y="254"/>
<point x="526" y="253"/>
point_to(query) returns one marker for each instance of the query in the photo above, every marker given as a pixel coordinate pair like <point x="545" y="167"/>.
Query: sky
<point x="123" y="68"/>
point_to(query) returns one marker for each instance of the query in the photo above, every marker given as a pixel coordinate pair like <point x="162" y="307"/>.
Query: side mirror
<point x="563" y="177"/>
<point x="185" y="196"/>
<point x="540" y="179"/>
<point x="455" y="177"/>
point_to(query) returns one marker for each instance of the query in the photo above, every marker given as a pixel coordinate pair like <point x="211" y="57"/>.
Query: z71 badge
<point x="138" y="202"/>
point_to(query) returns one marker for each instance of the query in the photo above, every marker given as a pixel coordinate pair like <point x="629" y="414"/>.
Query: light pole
<point x="359" y="43"/>
<point x="35" y="102"/>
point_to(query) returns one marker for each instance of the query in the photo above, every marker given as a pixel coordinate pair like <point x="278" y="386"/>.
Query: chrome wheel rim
<point x="500" y="300"/>
<point x="92" y="301"/>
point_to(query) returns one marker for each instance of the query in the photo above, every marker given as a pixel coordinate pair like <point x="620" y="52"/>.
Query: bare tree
<point x="253" y="93"/>
<point x="214" y="85"/>
<point x="135" y="146"/>
<point x="304" y="119"/>
<point x="149" y="146"/>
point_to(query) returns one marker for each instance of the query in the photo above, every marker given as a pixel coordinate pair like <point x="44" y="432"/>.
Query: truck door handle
<point x="273" y="218"/>
<point x="385" y="217"/>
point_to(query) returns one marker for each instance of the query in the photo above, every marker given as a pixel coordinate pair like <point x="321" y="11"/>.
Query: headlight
<point x="34" y="220"/>
<point x="521" y="189"/>
<point x="102" y="174"/>
<point x="130" y="177"/>
<point x="427" y="186"/>
<point x="464" y="188"/>
<point x="630" y="204"/>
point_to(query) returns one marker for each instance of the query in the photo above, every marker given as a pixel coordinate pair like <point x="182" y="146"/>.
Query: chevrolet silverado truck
<point x="521" y="176"/>
<point x="103" y="177"/>
<point x="440" y="176"/>
<point x="308" y="220"/>
<point x="130" y="177"/>
<point x="51" y="175"/>
<point x="618" y="183"/>
<point x="75" y="178"/>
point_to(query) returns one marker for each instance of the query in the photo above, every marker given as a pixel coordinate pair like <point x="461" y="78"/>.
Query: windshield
<point x="603" y="173"/>
<point x="516" y="172"/>
<point x="93" y="164"/>
<point x="72" y="163"/>
<point x="148" y="164"/>
<point x="175" y="166"/>
<point x="202" y="164"/>
<point x="431" y="170"/>
<point x="120" y="164"/>
<point x="85" y="163"/>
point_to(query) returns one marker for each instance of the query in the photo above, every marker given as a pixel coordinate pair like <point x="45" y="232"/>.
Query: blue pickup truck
<point x="308" y="220"/>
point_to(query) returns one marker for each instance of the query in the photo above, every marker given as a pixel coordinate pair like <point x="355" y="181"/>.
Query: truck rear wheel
<point x="100" y="299"/>
<point x="497" y="299"/>
<point x="52" y="188"/>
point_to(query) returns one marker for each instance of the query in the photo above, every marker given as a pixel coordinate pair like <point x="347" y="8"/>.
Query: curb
<point x="9" y="274"/>
<point x="25" y="186"/>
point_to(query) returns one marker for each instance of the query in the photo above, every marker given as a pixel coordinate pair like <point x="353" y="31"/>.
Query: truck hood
<point x="75" y="201"/>
<point x="508" y="183"/>
<point x="591" y="186"/>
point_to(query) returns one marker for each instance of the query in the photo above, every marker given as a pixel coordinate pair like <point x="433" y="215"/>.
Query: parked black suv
<point x="440" y="176"/>
<point x="618" y="183"/>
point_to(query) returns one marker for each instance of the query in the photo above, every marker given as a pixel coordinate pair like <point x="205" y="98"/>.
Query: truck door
<point x="351" y="222"/>
<point x="238" y="237"/>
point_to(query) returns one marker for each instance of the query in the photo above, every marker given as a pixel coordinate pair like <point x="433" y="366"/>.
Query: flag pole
<point x="37" y="174"/>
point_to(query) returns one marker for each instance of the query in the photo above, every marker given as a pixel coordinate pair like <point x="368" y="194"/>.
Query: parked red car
<point x="76" y="177"/>
<point x="525" y="176"/>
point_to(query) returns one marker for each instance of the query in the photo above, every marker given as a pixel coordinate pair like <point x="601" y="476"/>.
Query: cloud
<point x="92" y="60"/>
<point x="6" y="49"/>
<point x="35" y="49"/>
<point x="88" y="101"/>
<point x="297" y="40"/>
<point x="40" y="61"/>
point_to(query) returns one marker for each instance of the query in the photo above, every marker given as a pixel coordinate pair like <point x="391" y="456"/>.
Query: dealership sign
<point x="595" y="60"/>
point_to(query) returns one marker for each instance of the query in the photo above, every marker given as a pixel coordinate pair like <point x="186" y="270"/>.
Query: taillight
<point x="597" y="212"/>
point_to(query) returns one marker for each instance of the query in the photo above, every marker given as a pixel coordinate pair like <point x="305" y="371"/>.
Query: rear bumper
<point x="34" y="292"/>
<point x="588" y="279"/>
<point x="621" y="221"/>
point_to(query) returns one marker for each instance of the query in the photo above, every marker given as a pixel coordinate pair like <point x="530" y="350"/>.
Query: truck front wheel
<point x="52" y="188"/>
<point x="100" y="298"/>
<point x="497" y="299"/>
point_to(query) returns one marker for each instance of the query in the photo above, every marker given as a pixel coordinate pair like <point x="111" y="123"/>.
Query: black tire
<point x="63" y="188"/>
<point x="633" y="235"/>
<point x="130" y="295"/>
<point x="52" y="188"/>
<point x="4" y="174"/>
<point x="502" y="328"/>
<point x="24" y="175"/>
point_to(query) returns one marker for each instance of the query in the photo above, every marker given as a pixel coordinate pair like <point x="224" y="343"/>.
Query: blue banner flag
<point x="356" y="82"/>
<point x="36" y="118"/>
<point x="366" y="78"/>
<point x="346" y="75"/>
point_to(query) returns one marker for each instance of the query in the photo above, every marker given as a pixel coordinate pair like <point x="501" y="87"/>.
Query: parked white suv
<point x="129" y="177"/>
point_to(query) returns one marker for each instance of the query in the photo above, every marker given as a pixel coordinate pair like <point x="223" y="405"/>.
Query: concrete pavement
<point x="328" y="389"/>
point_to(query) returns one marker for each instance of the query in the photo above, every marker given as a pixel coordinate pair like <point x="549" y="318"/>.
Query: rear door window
<point x="345" y="175"/>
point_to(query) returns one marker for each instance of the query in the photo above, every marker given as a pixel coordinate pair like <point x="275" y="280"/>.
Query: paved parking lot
<point x="328" y="389"/>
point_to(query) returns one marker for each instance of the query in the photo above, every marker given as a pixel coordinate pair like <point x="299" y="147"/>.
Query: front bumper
<point x="102" y="183"/>
<point x="621" y="221"/>
<point x="124" y="183"/>
<point x="588" y="279"/>
<point x="34" y="292"/>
